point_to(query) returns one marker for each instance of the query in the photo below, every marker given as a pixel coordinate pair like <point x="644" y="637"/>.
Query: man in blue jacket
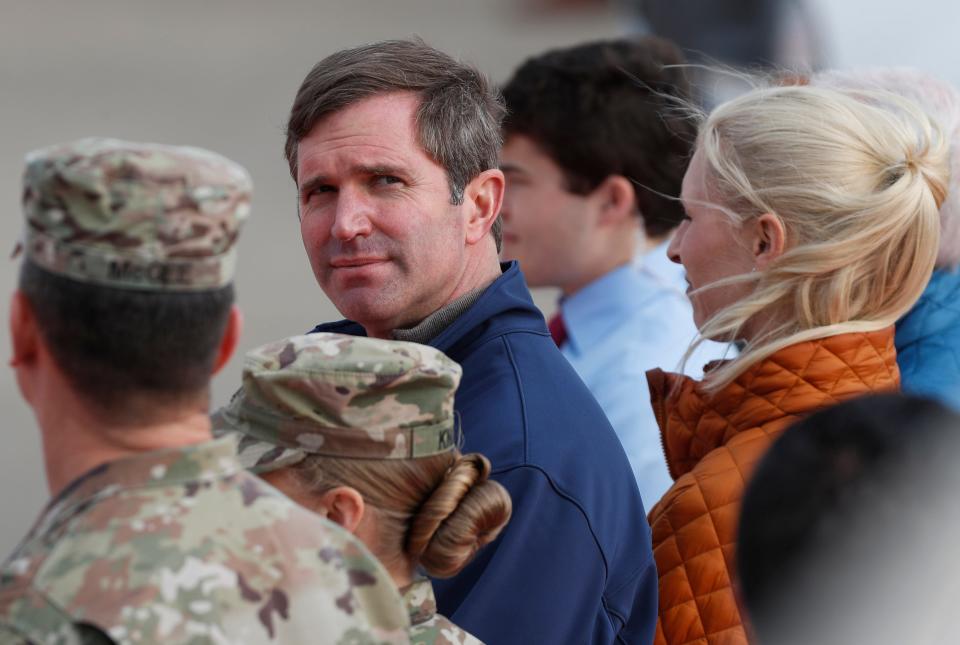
<point x="394" y="149"/>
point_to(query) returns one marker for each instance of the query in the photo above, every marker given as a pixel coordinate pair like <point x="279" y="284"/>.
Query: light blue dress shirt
<point x="632" y="319"/>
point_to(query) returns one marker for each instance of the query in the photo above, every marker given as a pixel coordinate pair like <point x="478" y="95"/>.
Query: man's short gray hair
<point x="458" y="120"/>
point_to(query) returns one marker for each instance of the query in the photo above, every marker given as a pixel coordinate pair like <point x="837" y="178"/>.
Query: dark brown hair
<point x="119" y="346"/>
<point x="610" y="108"/>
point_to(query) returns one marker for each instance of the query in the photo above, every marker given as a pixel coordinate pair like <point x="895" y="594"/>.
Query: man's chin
<point x="363" y="304"/>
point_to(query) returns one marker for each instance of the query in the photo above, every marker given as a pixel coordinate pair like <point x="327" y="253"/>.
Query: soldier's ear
<point x="231" y="336"/>
<point x="343" y="505"/>
<point x="25" y="341"/>
<point x="24" y="335"/>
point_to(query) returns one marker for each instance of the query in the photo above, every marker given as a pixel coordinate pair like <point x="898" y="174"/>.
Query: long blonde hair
<point x="434" y="511"/>
<point x="856" y="185"/>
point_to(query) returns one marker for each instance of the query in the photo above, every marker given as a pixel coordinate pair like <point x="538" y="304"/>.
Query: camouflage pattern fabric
<point x="342" y="396"/>
<point x="10" y="636"/>
<point x="58" y="625"/>
<point x="184" y="546"/>
<point x="427" y="627"/>
<point x="132" y="215"/>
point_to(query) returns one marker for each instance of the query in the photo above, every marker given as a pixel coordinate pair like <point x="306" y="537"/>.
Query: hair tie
<point x="910" y="162"/>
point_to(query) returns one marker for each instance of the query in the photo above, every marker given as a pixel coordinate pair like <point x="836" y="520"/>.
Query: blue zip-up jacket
<point x="928" y="341"/>
<point x="574" y="565"/>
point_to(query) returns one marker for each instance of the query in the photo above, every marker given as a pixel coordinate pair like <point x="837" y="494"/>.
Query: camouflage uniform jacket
<point x="184" y="546"/>
<point x="427" y="626"/>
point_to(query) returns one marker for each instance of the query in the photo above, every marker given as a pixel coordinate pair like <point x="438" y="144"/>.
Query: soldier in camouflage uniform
<point x="156" y="534"/>
<point x="321" y="412"/>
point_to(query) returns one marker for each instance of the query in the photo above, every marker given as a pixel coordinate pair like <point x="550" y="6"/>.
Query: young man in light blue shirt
<point x="594" y="155"/>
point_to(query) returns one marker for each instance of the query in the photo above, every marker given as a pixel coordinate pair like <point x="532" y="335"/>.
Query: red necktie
<point x="557" y="329"/>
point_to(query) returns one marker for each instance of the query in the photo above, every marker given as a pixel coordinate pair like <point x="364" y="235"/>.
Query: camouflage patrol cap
<point x="341" y="396"/>
<point x="134" y="215"/>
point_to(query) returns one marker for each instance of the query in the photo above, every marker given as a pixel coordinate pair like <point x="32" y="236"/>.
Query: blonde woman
<point x="811" y="227"/>
<point x="362" y="431"/>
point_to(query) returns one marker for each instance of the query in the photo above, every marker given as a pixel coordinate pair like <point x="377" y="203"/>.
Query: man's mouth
<point x="353" y="262"/>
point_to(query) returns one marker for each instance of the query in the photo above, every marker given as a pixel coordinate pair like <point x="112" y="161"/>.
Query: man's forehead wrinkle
<point x="363" y="146"/>
<point x="350" y="159"/>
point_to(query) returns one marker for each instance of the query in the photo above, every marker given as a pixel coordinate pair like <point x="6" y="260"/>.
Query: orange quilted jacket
<point x="713" y="442"/>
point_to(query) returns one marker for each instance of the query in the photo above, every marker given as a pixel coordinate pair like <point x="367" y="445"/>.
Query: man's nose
<point x="353" y="216"/>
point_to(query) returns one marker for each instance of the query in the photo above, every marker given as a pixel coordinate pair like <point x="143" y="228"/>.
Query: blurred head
<point x="594" y="147"/>
<point x="126" y="284"/>
<point x="848" y="525"/>
<point x="809" y="213"/>
<point x="394" y="149"/>
<point x="363" y="432"/>
<point x="942" y="102"/>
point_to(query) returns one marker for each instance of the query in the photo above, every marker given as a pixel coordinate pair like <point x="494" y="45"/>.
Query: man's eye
<point x="317" y="191"/>
<point x="386" y="180"/>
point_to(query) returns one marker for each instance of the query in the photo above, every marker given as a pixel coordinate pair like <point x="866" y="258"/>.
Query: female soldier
<point x="811" y="227"/>
<point x="362" y="432"/>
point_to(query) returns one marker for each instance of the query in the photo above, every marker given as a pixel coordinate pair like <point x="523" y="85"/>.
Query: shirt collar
<point x="600" y="308"/>
<point x="431" y="326"/>
<point x="419" y="600"/>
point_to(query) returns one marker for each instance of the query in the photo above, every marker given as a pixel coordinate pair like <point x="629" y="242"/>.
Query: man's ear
<point x="343" y="505"/>
<point x="615" y="199"/>
<point x="231" y="336"/>
<point x="24" y="334"/>
<point x="770" y="239"/>
<point x="484" y="197"/>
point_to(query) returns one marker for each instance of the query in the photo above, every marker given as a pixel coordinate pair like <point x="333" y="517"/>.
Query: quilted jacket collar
<point x="789" y="383"/>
